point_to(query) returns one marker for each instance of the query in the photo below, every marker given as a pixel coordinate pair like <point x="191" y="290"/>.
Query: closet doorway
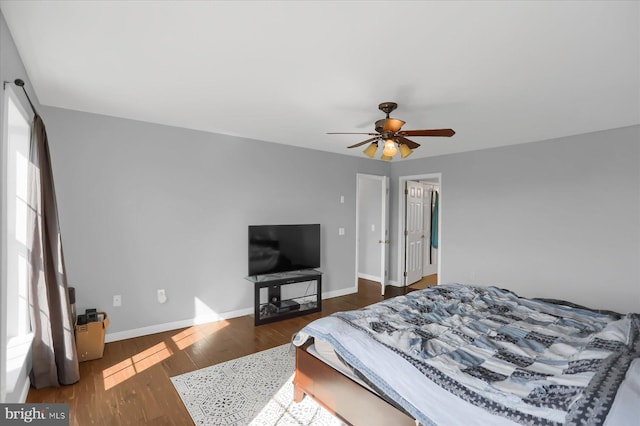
<point x="419" y="226"/>
<point x="372" y="229"/>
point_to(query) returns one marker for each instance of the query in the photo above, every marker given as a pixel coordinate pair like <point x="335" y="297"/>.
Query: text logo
<point x="35" y="414"/>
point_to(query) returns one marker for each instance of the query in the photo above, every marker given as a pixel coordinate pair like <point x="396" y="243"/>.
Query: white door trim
<point x="401" y="223"/>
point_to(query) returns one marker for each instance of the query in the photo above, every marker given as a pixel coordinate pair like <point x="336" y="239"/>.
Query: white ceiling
<point x="497" y="72"/>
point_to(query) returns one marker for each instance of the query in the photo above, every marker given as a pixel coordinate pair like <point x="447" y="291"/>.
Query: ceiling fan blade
<point x="363" y="142"/>
<point x="411" y="144"/>
<point x="433" y="132"/>
<point x="351" y="133"/>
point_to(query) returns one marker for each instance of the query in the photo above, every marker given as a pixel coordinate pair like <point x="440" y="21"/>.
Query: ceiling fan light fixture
<point x="370" y="151"/>
<point x="390" y="148"/>
<point x="392" y="124"/>
<point x="405" y="151"/>
<point x="385" y="157"/>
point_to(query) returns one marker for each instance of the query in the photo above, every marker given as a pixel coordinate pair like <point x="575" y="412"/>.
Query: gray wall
<point x="11" y="67"/>
<point x="144" y="206"/>
<point x="557" y="218"/>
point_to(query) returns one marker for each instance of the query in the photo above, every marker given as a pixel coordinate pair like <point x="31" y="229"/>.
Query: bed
<point x="459" y="354"/>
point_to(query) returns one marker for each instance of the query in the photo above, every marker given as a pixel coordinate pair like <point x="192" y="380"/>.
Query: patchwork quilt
<point x="527" y="361"/>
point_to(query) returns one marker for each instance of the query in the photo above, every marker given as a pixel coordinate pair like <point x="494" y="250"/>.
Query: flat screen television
<point x="283" y="248"/>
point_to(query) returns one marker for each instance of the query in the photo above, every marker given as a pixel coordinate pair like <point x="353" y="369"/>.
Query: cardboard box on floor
<point x="90" y="339"/>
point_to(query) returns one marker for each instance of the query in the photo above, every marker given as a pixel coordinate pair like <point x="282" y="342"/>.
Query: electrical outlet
<point x="162" y="295"/>
<point x="117" y="300"/>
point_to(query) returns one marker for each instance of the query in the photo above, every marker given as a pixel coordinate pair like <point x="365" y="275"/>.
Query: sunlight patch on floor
<point x="124" y="370"/>
<point x="193" y="334"/>
<point x="281" y="409"/>
<point x="128" y="368"/>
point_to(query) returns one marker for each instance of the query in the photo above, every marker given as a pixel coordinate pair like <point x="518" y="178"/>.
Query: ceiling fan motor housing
<point x="387" y="107"/>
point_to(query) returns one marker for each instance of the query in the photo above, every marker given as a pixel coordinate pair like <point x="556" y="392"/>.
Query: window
<point x="16" y="334"/>
<point x="18" y="134"/>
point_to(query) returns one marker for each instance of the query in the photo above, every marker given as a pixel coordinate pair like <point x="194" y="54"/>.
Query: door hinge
<point x="406" y="191"/>
<point x="406" y="233"/>
<point x="405" y="273"/>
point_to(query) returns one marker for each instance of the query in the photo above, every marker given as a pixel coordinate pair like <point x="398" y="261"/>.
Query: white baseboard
<point x="337" y="293"/>
<point x="25" y="391"/>
<point x="368" y="277"/>
<point x="372" y="278"/>
<point x="394" y="283"/>
<point x="168" y="326"/>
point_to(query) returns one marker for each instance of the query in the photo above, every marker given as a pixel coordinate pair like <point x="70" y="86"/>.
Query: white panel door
<point x="414" y="231"/>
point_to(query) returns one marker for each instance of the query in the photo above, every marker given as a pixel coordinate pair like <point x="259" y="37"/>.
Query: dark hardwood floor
<point x="428" y="281"/>
<point x="130" y="384"/>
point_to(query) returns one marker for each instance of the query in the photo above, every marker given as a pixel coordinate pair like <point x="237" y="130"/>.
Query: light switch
<point x="342" y="199"/>
<point x="340" y="231"/>
<point x="373" y="227"/>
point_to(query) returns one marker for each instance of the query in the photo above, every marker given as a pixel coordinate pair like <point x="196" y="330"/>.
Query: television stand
<point x="283" y="295"/>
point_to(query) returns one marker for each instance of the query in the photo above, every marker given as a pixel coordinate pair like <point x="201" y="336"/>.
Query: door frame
<point x="385" y="223"/>
<point x="401" y="224"/>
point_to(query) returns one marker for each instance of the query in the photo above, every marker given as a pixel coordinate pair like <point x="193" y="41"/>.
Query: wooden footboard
<point x="340" y="395"/>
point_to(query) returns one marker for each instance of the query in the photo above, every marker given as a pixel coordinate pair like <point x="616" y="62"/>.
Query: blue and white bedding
<point x="455" y="354"/>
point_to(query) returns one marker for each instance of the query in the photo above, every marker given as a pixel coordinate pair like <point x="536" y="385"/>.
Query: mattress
<point x="390" y="373"/>
<point x="624" y="410"/>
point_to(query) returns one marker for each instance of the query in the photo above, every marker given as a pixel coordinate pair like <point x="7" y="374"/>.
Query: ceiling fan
<point x="388" y="130"/>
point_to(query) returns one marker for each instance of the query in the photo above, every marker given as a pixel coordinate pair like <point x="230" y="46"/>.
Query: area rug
<point x="256" y="389"/>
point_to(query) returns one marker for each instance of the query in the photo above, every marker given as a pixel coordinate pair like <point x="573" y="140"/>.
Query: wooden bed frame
<point x="344" y="398"/>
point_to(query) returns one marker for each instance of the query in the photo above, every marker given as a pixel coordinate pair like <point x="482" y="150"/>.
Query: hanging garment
<point x="434" y="221"/>
<point x="430" y="228"/>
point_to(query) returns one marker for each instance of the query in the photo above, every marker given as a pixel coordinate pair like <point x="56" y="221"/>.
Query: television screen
<point x="282" y="248"/>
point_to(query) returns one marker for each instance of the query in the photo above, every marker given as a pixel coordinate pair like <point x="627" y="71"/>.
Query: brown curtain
<point x="54" y="357"/>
